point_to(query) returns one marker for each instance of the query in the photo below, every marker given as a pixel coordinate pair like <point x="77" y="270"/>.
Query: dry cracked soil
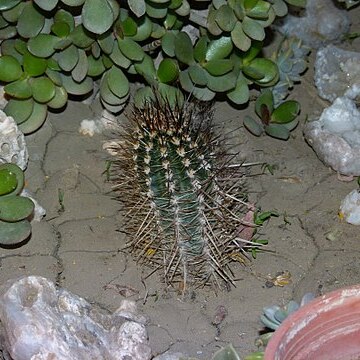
<point x="77" y="244"/>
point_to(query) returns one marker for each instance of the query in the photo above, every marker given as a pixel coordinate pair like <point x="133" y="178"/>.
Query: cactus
<point x="184" y="202"/>
<point x="15" y="210"/>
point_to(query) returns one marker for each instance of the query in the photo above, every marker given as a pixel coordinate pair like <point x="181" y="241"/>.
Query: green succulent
<point x="15" y="210"/>
<point x="53" y="49"/>
<point x="274" y="121"/>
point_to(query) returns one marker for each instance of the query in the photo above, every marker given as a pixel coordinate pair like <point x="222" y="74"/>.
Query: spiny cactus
<point x="184" y="201"/>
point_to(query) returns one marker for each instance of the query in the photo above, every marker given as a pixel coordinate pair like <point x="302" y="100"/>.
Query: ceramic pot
<point x="327" y="328"/>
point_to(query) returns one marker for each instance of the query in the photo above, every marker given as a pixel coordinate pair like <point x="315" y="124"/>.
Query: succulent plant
<point x="292" y="61"/>
<point x="15" y="210"/>
<point x="276" y="122"/>
<point x="183" y="201"/>
<point x="350" y="3"/>
<point x="52" y="49"/>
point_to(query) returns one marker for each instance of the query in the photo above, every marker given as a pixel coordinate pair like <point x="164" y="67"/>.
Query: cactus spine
<point x="184" y="202"/>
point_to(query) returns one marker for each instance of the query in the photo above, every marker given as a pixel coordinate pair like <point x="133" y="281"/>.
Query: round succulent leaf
<point x="106" y="94"/>
<point x="260" y="10"/>
<point x="266" y="69"/>
<point x="15" y="169"/>
<point x="53" y="65"/>
<point x="73" y="2"/>
<point x="33" y="65"/>
<point x="168" y="71"/>
<point x="269" y="20"/>
<point x="225" y="18"/>
<point x="115" y="7"/>
<point x="218" y="3"/>
<point x="174" y="4"/>
<point x="62" y="44"/>
<point x="63" y="16"/>
<point x="285" y="112"/>
<point x="156" y="10"/>
<point x="8" y="32"/>
<point x="249" y="4"/>
<point x="184" y="9"/>
<point x="158" y="31"/>
<point x="20" y="46"/>
<point x="95" y="50"/>
<point x="240" y="95"/>
<point x="35" y="120"/>
<point x="203" y="93"/>
<point x="198" y="75"/>
<point x="185" y="81"/>
<point x="19" y="110"/>
<point x="265" y="98"/>
<point x="119" y="58"/>
<point x="168" y="43"/>
<point x="277" y="131"/>
<point x="19" y="89"/>
<point x="183" y="48"/>
<point x="253" y="126"/>
<point x="144" y="29"/>
<point x="8" y="47"/>
<point x="13" y="233"/>
<point x="81" y="37"/>
<point x="3" y="22"/>
<point x="8" y="4"/>
<point x="252" y="52"/>
<point x="218" y="67"/>
<point x="12" y="15"/>
<point x="10" y="69"/>
<point x="253" y="29"/>
<point x="200" y="49"/>
<point x="239" y="38"/>
<point x="46" y="5"/>
<point x="117" y="82"/>
<point x="75" y="88"/>
<point x="143" y="96"/>
<point x="8" y="181"/>
<point x="221" y="83"/>
<point x="138" y="7"/>
<point x="68" y="58"/>
<point x="30" y="21"/>
<point x="106" y="42"/>
<point x="159" y="1"/>
<point x="96" y="66"/>
<point x="115" y="108"/>
<point x="292" y="124"/>
<point x="42" y="45"/>
<point x="169" y="21"/>
<point x="79" y="72"/>
<point x="131" y="49"/>
<point x="60" y="29"/>
<point x="280" y="7"/>
<point x="97" y="16"/>
<point x="15" y="208"/>
<point x="146" y="69"/>
<point x="129" y="27"/>
<point x="108" y="63"/>
<point x="211" y="24"/>
<point x="60" y="98"/>
<point x="43" y="89"/>
<point x="298" y="3"/>
<point x="219" y="48"/>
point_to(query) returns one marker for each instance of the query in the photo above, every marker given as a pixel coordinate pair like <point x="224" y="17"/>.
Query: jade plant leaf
<point x="33" y="65"/>
<point x="8" y="181"/>
<point x="138" y="7"/>
<point x="277" y="131"/>
<point x="54" y="76"/>
<point x="60" y="29"/>
<point x="8" y="4"/>
<point x="8" y="32"/>
<point x="97" y="16"/>
<point x="10" y="69"/>
<point x="14" y="169"/>
<point x="20" y="110"/>
<point x="46" y="5"/>
<point x="183" y="48"/>
<point x="263" y="71"/>
<point x="35" y="120"/>
<point x="12" y="15"/>
<point x="42" y="45"/>
<point x="146" y="68"/>
<point x="131" y="49"/>
<point x="43" y="89"/>
<point x="265" y="98"/>
<point x="19" y="89"/>
<point x="219" y="48"/>
<point x="81" y="37"/>
<point x="15" y="208"/>
<point x="168" y="43"/>
<point x="75" y="88"/>
<point x="144" y="29"/>
<point x="106" y="42"/>
<point x="218" y="67"/>
<point x="198" y="75"/>
<point x="117" y="82"/>
<point x="63" y="16"/>
<point x="225" y="18"/>
<point x="168" y="71"/>
<point x="156" y="10"/>
<point x="14" y="233"/>
<point x="253" y="126"/>
<point x="106" y="94"/>
<point x="119" y="58"/>
<point x="60" y="98"/>
<point x="200" y="49"/>
<point x="240" y="94"/>
<point x="253" y="29"/>
<point x="68" y="58"/>
<point x="96" y="66"/>
<point x="184" y="9"/>
<point x="80" y="70"/>
<point x="221" y="83"/>
<point x="285" y="112"/>
<point x="30" y="22"/>
<point x="8" y="47"/>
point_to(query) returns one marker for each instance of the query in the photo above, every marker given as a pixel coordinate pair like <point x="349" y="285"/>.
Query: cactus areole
<point x="183" y="200"/>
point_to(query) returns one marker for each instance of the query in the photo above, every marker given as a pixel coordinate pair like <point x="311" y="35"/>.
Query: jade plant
<point x="52" y="49"/>
<point x="15" y="210"/>
<point x="274" y="121"/>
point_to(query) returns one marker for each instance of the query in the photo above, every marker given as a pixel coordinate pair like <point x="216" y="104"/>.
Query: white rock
<point x="39" y="211"/>
<point x="323" y="23"/>
<point x="336" y="70"/>
<point x="12" y="142"/>
<point x="42" y="322"/>
<point x="335" y="137"/>
<point x="350" y="208"/>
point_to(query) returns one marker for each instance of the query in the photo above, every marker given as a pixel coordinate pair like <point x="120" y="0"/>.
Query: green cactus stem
<point x="184" y="203"/>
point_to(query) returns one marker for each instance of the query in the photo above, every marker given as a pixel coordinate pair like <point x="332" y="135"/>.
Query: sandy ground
<point x="78" y="246"/>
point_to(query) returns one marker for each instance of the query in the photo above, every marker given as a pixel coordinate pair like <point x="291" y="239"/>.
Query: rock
<point x="336" y="70"/>
<point x="43" y="322"/>
<point x="350" y="208"/>
<point x="322" y="23"/>
<point x="12" y="142"/>
<point x="335" y="136"/>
